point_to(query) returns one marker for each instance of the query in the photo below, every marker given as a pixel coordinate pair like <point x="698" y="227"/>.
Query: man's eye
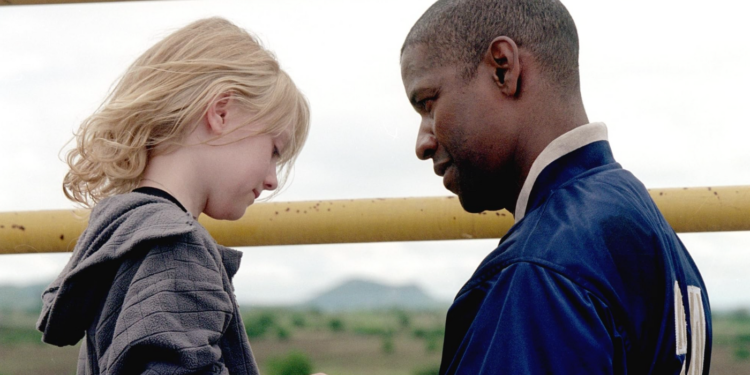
<point x="425" y="104"/>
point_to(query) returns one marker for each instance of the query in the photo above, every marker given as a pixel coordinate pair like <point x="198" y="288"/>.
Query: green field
<point x="367" y="343"/>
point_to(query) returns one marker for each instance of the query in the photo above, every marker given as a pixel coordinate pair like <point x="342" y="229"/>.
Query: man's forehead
<point x="410" y="62"/>
<point x="417" y="66"/>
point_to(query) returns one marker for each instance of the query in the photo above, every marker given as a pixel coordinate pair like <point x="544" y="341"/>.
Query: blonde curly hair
<point x="164" y="95"/>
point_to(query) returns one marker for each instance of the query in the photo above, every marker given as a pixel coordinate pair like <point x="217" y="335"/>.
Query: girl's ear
<point x="216" y="116"/>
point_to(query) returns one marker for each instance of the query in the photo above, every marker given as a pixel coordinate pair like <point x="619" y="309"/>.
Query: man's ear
<point x="502" y="56"/>
<point x="216" y="116"/>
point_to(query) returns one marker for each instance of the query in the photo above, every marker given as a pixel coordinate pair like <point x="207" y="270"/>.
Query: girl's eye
<point x="276" y="153"/>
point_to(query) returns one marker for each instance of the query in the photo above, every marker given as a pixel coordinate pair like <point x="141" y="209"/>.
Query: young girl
<point x="200" y="123"/>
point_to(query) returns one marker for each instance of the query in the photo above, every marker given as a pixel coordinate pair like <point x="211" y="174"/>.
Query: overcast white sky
<point x="670" y="79"/>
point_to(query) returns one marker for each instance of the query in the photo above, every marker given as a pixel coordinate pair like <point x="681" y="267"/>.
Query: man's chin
<point x="474" y="204"/>
<point x="470" y="205"/>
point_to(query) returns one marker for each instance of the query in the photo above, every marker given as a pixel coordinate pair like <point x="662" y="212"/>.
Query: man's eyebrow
<point x="416" y="93"/>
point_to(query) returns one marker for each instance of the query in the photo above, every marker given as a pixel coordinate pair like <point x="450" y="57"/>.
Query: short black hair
<point x="460" y="32"/>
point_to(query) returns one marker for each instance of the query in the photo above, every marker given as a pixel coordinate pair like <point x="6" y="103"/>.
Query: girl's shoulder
<point x="134" y="217"/>
<point x="147" y="208"/>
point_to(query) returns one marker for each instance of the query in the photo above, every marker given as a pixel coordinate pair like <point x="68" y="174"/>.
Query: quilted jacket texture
<point x="151" y="292"/>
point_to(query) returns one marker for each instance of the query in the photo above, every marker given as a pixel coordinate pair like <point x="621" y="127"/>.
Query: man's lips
<point x="444" y="170"/>
<point x="449" y="178"/>
<point x="440" y="167"/>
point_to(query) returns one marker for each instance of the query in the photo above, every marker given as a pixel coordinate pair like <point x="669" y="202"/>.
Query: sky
<point x="669" y="78"/>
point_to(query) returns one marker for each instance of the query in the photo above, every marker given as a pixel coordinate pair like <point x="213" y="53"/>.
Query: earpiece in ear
<point x="500" y="72"/>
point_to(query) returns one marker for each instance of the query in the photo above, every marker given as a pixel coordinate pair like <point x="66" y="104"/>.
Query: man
<point x="591" y="279"/>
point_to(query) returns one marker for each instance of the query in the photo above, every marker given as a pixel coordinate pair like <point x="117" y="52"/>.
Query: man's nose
<point x="426" y="142"/>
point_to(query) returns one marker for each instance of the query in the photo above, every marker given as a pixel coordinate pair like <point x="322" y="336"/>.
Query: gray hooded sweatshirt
<point x="151" y="292"/>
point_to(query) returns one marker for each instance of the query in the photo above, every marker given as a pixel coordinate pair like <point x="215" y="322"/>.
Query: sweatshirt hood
<point x="117" y="226"/>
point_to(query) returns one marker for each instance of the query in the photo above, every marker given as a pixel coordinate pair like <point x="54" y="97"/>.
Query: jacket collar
<point x="561" y="146"/>
<point x="231" y="259"/>
<point x="587" y="153"/>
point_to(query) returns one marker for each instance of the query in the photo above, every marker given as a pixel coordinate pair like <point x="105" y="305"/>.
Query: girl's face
<point x="242" y="166"/>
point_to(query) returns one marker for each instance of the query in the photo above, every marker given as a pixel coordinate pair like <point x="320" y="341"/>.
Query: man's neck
<point x="552" y="119"/>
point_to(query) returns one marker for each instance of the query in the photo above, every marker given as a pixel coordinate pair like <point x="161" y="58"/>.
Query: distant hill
<point x="21" y="298"/>
<point x="360" y="294"/>
<point x="351" y="295"/>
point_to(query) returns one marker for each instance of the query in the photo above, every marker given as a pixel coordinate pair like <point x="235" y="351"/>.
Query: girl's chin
<point x="234" y="214"/>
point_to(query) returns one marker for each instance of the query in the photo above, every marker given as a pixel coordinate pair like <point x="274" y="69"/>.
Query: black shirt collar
<point x="161" y="194"/>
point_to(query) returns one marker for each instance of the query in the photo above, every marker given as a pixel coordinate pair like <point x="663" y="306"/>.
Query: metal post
<point x="705" y="209"/>
<point x="50" y="2"/>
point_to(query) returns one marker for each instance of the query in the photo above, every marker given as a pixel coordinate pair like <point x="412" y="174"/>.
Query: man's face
<point x="464" y="130"/>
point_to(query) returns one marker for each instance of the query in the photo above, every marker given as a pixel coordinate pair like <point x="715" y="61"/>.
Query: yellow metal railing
<point x="48" y="2"/>
<point x="703" y="209"/>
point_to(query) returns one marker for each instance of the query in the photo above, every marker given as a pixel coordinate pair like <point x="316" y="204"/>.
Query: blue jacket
<point x="590" y="280"/>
